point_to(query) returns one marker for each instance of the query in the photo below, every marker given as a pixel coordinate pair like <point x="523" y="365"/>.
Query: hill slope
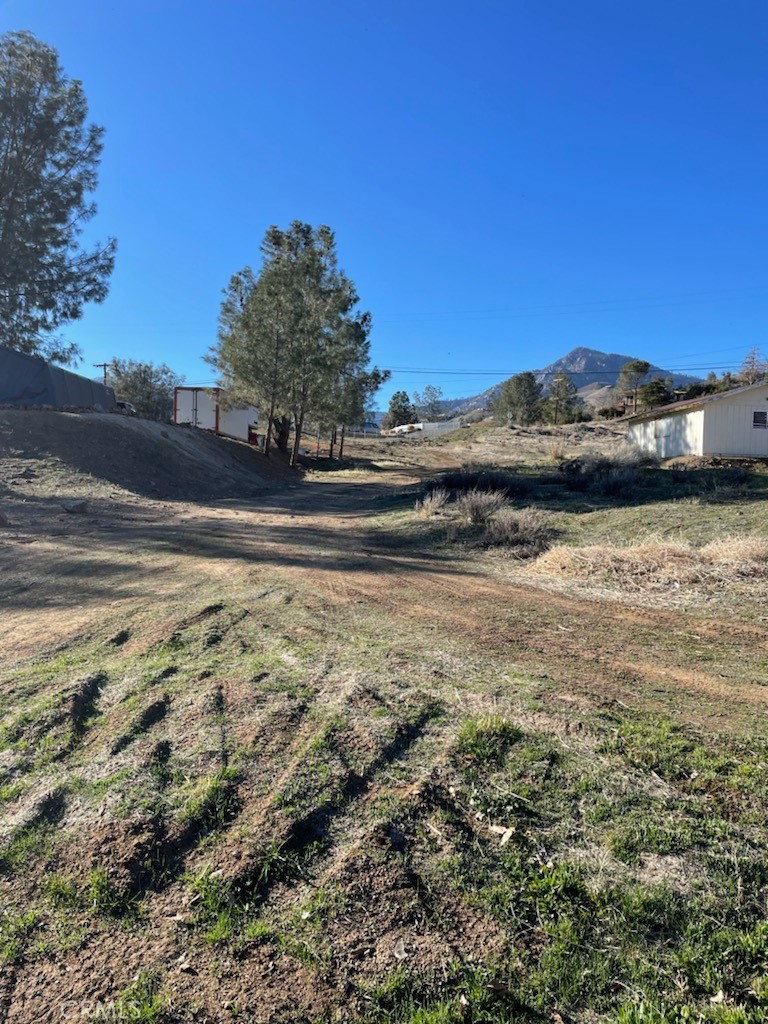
<point x="97" y="453"/>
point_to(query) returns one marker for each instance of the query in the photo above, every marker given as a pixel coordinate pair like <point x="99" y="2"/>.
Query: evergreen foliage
<point x="630" y="378"/>
<point x="655" y="392"/>
<point x="145" y="385"/>
<point x="519" y="400"/>
<point x="563" y="400"/>
<point x="401" y="410"/>
<point x="49" y="157"/>
<point x="290" y="341"/>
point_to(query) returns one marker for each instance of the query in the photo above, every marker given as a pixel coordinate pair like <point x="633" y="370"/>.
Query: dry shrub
<point x="556" y="452"/>
<point x="613" y="475"/>
<point x="478" y="479"/>
<point x="659" y="566"/>
<point x="432" y="502"/>
<point x="478" y="506"/>
<point x="525" y="534"/>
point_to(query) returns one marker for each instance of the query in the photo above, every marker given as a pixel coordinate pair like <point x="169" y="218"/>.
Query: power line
<point x="571" y="308"/>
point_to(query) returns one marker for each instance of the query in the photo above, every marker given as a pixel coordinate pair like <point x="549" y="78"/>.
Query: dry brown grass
<point x="432" y="502"/>
<point x="657" y="565"/>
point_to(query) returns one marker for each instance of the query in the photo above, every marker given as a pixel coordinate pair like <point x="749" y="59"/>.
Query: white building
<point x="730" y="423"/>
<point x="200" y="407"/>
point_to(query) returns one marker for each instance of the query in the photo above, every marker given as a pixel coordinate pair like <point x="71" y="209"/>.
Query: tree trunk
<point x="341" y="443"/>
<point x="268" y="438"/>
<point x="282" y="430"/>
<point x="333" y="442"/>
<point x="297" y="439"/>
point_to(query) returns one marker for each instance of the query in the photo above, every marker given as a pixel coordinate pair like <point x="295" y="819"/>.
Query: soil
<point x="245" y="616"/>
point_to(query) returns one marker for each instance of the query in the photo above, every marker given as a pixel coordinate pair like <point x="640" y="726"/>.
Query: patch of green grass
<point x="460" y="992"/>
<point x="16" y="931"/>
<point x="214" y="803"/>
<point x="61" y="892"/>
<point x="25" y="846"/>
<point x="589" y="934"/>
<point x="487" y="740"/>
<point x="103" y="897"/>
<point x="141" y="1002"/>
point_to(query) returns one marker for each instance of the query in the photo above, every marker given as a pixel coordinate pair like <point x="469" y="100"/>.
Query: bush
<point x="526" y="533"/>
<point x="432" y="502"/>
<point x="478" y="506"/>
<point x="610" y="475"/>
<point x="459" y="480"/>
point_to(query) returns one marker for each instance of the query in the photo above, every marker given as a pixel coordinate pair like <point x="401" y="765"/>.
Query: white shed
<point x="729" y="423"/>
<point x="200" y="407"/>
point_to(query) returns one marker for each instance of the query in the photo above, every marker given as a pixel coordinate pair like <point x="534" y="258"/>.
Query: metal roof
<point x="692" y="403"/>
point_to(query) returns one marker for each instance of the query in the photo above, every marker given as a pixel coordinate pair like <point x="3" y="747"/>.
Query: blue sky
<point x="506" y="180"/>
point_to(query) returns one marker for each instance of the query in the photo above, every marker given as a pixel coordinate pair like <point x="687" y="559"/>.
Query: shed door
<point x="662" y="429"/>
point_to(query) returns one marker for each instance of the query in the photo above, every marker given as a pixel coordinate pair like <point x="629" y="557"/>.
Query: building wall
<point x="728" y="428"/>
<point x="678" y="433"/>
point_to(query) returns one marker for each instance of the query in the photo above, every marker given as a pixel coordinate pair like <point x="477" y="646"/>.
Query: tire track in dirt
<point x="579" y="643"/>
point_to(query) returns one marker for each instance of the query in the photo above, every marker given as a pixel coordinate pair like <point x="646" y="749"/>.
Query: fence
<point x="419" y="430"/>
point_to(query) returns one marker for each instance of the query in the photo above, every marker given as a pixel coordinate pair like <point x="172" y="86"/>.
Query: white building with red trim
<point x="201" y="407"/>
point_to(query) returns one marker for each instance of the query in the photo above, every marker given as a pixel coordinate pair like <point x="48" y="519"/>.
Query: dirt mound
<point x="43" y="453"/>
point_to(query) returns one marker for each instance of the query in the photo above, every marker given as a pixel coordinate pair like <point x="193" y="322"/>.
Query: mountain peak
<point x="594" y="373"/>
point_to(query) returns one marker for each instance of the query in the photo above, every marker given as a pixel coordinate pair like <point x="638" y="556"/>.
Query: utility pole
<point x="102" y="366"/>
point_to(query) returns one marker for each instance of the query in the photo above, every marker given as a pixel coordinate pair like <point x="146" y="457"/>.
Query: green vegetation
<point x="596" y="933"/>
<point x="142" y="1001"/>
<point x="16" y="932"/>
<point x="48" y="276"/>
<point x="428" y="795"/>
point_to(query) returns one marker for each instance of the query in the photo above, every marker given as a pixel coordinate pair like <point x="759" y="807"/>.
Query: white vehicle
<point x="407" y="428"/>
<point x="200" y="407"/>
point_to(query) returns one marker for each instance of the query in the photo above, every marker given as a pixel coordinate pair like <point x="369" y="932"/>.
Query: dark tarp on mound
<point x="27" y="380"/>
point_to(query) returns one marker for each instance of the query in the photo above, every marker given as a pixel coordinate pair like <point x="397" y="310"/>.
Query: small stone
<point x="75" y="505"/>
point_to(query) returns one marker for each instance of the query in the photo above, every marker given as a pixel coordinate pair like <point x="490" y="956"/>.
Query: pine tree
<point x="630" y="376"/>
<point x="655" y="392"/>
<point x="290" y="341"/>
<point x="520" y="399"/>
<point x="48" y="163"/>
<point x="401" y="411"/>
<point x="562" y="399"/>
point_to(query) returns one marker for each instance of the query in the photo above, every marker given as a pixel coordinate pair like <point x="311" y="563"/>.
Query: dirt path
<point x="318" y="537"/>
<point x="245" y="717"/>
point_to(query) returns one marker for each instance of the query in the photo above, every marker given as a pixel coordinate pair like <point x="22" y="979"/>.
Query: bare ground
<point x="230" y="729"/>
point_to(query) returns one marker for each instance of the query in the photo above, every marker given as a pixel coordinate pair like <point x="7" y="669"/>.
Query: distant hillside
<point x="594" y="373"/>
